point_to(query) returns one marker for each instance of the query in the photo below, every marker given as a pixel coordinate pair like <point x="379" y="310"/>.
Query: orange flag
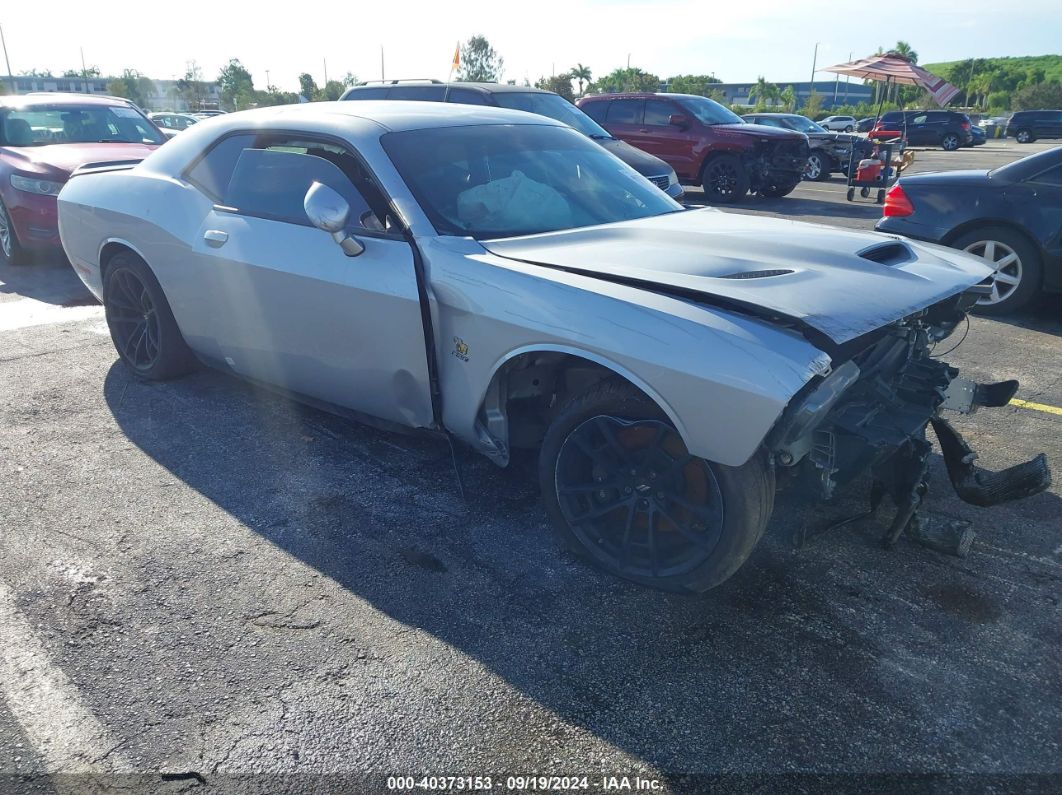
<point x="457" y="58"/>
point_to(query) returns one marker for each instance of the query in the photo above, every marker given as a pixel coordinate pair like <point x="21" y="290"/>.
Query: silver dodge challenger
<point x="496" y="277"/>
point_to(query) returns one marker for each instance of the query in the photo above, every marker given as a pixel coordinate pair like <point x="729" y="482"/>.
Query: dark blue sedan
<point x="1011" y="216"/>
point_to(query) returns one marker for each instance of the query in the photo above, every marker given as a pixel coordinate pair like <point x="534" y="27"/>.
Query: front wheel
<point x="818" y="167"/>
<point x="626" y="495"/>
<point x="1025" y="137"/>
<point x="950" y="142"/>
<point x="849" y="128"/>
<point x="724" y="180"/>
<point x="11" y="250"/>
<point x="142" y="326"/>
<point x="778" y="190"/>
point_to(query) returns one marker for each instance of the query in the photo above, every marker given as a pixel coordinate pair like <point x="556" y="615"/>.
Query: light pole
<point x="11" y="77"/>
<point x="814" y="63"/>
<point x="268" y="81"/>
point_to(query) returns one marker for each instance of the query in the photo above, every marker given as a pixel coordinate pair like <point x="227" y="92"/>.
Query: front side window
<point x="625" y="111"/>
<point x="375" y="92"/>
<point x="659" y="113"/>
<point x="40" y="125"/>
<point x="494" y="181"/>
<point x="551" y="106"/>
<point x="1053" y="176"/>
<point x="708" y="111"/>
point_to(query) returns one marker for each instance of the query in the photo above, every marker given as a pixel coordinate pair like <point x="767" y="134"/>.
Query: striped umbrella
<point x="891" y="68"/>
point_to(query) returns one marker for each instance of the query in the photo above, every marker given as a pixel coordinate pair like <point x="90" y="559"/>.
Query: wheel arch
<point x="114" y="245"/>
<point x="529" y="383"/>
<point x="982" y="223"/>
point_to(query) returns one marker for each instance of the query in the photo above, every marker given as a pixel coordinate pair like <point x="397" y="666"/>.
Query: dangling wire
<point x="960" y="342"/>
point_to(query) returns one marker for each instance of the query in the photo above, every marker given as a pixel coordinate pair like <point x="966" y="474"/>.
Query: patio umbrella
<point x="890" y="68"/>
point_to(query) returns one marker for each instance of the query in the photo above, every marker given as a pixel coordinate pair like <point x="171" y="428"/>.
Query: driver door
<point x="290" y="308"/>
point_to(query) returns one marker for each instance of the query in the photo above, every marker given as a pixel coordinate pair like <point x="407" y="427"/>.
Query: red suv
<point x="43" y="138"/>
<point x="705" y="143"/>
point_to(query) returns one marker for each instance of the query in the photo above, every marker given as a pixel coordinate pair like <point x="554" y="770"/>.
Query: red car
<point x="43" y="138"/>
<point x="705" y="143"/>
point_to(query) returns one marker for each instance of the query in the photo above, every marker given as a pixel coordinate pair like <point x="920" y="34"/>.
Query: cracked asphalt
<point x="250" y="595"/>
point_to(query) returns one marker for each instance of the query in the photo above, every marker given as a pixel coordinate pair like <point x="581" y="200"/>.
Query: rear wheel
<point x="849" y="128"/>
<point x="624" y="492"/>
<point x="140" y="321"/>
<point x="11" y="250"/>
<point x="724" y="180"/>
<point x="950" y="142"/>
<point x="1025" y="137"/>
<point x="777" y="191"/>
<point x="1019" y="270"/>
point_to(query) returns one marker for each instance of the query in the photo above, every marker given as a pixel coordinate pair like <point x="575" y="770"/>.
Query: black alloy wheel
<point x="724" y="180"/>
<point x="133" y="319"/>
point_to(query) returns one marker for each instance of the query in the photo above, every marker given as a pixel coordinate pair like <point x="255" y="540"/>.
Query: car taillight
<point x="897" y="205"/>
<point x="965" y="125"/>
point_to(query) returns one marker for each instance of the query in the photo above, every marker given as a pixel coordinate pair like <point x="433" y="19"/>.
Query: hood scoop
<point x="757" y="274"/>
<point x="894" y="253"/>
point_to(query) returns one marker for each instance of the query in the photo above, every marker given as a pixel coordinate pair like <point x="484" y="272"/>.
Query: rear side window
<point x="625" y="111"/>
<point x="376" y="92"/>
<point x="596" y="110"/>
<point x="1053" y="176"/>
<point x="421" y="93"/>
<point x="658" y="113"/>
<point x="214" y="170"/>
<point x="466" y="96"/>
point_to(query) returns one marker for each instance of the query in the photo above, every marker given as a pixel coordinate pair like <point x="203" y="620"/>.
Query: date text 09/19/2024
<point x="528" y="783"/>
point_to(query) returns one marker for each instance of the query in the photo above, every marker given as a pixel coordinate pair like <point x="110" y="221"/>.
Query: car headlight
<point x="44" y="187"/>
<point x="672" y="178"/>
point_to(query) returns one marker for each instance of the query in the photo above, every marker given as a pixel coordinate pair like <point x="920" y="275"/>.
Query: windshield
<point x="709" y="111"/>
<point x="802" y="124"/>
<point x="40" y="125"/>
<point x="555" y="107"/>
<point x="497" y="180"/>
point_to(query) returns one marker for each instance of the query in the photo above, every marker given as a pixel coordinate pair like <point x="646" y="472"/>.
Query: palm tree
<point x="788" y="97"/>
<point x="764" y="92"/>
<point x="582" y="74"/>
<point x="903" y="49"/>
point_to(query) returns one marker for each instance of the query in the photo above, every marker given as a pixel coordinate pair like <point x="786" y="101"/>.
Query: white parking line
<point x="64" y="733"/>
<point x="31" y="312"/>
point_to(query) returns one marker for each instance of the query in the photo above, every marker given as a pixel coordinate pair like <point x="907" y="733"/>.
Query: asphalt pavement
<point x="204" y="587"/>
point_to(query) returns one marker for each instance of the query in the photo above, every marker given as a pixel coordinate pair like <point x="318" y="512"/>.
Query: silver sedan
<point x="498" y="277"/>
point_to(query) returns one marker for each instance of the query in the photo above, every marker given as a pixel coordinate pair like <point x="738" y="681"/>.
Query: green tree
<point x="479" y="62"/>
<point x="788" y="98"/>
<point x="1038" y="96"/>
<point x="582" y="75"/>
<point x="307" y="87"/>
<point x="813" y="107"/>
<point x="632" y="79"/>
<point x="88" y="72"/>
<point x="274" y="96"/>
<point x="333" y="90"/>
<point x="905" y="51"/>
<point x="191" y="89"/>
<point x="133" y="86"/>
<point x="350" y="79"/>
<point x="558" y="84"/>
<point x="692" y="84"/>
<point x="36" y="73"/>
<point x="236" y="86"/>
<point x="764" y="92"/>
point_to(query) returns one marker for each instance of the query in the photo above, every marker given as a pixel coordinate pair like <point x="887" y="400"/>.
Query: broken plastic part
<point x="979" y="486"/>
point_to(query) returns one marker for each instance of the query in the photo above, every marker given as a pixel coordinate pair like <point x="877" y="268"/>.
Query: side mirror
<point x="680" y="120"/>
<point x="329" y="212"/>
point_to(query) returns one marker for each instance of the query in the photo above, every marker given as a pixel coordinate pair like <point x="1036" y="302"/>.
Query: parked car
<point x="865" y="125"/>
<point x="947" y="129"/>
<point x="1011" y="216"/>
<point x="1026" y="126"/>
<point x="43" y="138"/>
<point x="977" y="136"/>
<point x="839" y="123"/>
<point x="207" y="114"/>
<point x="830" y="151"/>
<point x="706" y="144"/>
<point x="531" y="100"/>
<point x="173" y="121"/>
<point x="515" y="285"/>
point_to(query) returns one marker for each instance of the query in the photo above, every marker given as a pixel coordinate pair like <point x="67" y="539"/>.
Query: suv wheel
<point x="1019" y="271"/>
<point x="724" y="180"/>
<point x="849" y="128"/>
<point x="627" y="496"/>
<point x="950" y="142"/>
<point x="1025" y="137"/>
<point x="818" y="167"/>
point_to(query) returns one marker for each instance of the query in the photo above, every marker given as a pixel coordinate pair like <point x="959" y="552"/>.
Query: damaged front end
<point x="871" y="412"/>
<point x="774" y="163"/>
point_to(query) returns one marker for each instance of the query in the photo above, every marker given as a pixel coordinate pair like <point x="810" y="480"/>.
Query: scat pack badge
<point x="460" y="349"/>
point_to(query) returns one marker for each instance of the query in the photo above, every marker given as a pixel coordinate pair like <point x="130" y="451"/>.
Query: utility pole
<point x="846" y="79"/>
<point x="268" y="83"/>
<point x="814" y="63"/>
<point x="11" y="77"/>
<point x="382" y="76"/>
<point x="325" y="70"/>
<point x="84" y="71"/>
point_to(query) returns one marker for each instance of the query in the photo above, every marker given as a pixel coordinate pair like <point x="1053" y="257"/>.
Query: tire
<point x="880" y="198"/>
<point x="850" y="195"/>
<point x="819" y="166"/>
<point x="1018" y="280"/>
<point x="11" y="251"/>
<point x="949" y="142"/>
<point x="1024" y="137"/>
<point x="724" y="180"/>
<point x="849" y="128"/>
<point x="777" y="191"/>
<point x="669" y="538"/>
<point x="140" y="321"/>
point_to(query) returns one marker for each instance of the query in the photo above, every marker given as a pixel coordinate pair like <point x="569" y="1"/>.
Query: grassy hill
<point x="1050" y="64"/>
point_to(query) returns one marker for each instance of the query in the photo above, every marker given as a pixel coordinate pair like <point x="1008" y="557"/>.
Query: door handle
<point x="215" y="238"/>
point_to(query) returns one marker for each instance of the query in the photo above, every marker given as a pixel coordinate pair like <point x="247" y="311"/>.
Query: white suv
<point x="839" y="123"/>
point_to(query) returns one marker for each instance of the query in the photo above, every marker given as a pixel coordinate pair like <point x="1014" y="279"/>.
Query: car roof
<point x="57" y="98"/>
<point x="759" y="114"/>
<point x="490" y="88"/>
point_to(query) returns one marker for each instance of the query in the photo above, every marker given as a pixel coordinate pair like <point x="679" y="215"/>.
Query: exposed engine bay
<point x="871" y="413"/>
<point x="774" y="163"/>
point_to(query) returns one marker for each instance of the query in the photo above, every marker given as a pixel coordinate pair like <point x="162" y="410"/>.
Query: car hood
<point x="59" y="160"/>
<point x="644" y="163"/>
<point x="760" y="130"/>
<point x="843" y="284"/>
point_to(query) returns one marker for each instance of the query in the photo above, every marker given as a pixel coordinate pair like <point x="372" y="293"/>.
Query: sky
<point x="736" y="41"/>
